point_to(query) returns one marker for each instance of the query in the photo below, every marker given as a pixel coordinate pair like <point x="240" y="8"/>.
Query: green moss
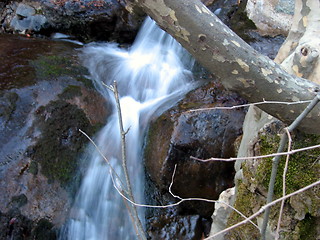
<point x="58" y="149"/>
<point x="70" y="92"/>
<point x="19" y="201"/>
<point x="307" y="228"/>
<point x="51" y="66"/>
<point x="44" y="230"/>
<point x="303" y="168"/>
<point x="245" y="202"/>
<point x="33" y="168"/>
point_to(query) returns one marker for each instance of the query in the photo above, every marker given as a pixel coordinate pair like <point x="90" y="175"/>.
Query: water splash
<point x="151" y="76"/>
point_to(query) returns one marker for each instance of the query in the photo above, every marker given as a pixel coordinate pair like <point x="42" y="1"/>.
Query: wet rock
<point x="85" y="20"/>
<point x="27" y="19"/>
<point x="188" y="131"/>
<point x="168" y="227"/>
<point x="7" y="106"/>
<point x="300" y="213"/>
<point x="40" y="140"/>
<point x="16" y="226"/>
<point x="222" y="212"/>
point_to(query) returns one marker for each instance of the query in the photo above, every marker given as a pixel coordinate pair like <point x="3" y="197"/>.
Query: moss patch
<point x="70" y="92"/>
<point x="303" y="168"/>
<point x="52" y="66"/>
<point x="49" y="67"/>
<point x="58" y="149"/>
<point x="307" y="228"/>
<point x="245" y="202"/>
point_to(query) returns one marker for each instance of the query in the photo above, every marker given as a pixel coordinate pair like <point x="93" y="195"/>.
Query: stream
<point x="153" y="74"/>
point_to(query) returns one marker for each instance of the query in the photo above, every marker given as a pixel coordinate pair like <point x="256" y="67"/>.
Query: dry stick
<point x="284" y="183"/>
<point x="122" y="191"/>
<point x="263" y="208"/>
<point x="255" y="157"/>
<point x="179" y="202"/>
<point x="248" y="105"/>
<point x="247" y="219"/>
<point x="106" y="160"/>
<point x="276" y="159"/>
<point x="141" y="234"/>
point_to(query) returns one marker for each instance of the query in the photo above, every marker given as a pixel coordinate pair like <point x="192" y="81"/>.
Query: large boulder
<point x="45" y="99"/>
<point x="187" y="131"/>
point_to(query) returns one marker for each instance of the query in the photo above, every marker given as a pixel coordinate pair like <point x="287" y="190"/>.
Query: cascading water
<point x="151" y="77"/>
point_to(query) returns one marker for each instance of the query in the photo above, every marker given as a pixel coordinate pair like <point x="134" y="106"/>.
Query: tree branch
<point x="245" y="71"/>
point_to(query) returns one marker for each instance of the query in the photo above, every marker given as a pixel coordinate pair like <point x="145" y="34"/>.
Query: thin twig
<point x="179" y="202"/>
<point x="141" y="234"/>
<point x="284" y="183"/>
<point x="263" y="208"/>
<point x="106" y="160"/>
<point x="249" y="104"/>
<point x="256" y="157"/>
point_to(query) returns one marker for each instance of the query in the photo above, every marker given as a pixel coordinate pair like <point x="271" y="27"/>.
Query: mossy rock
<point x="60" y="144"/>
<point x="48" y="67"/>
<point x="44" y="230"/>
<point x="245" y="203"/>
<point x="70" y="92"/>
<point x="300" y="211"/>
<point x="303" y="167"/>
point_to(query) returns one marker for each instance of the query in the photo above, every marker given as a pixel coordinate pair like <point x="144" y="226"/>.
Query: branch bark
<point x="240" y="68"/>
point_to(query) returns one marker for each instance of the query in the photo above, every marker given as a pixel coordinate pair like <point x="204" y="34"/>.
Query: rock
<point x="85" y="20"/>
<point x="271" y="17"/>
<point x="168" y="227"/>
<point x="261" y="136"/>
<point x="27" y="19"/>
<point x="44" y="100"/>
<point x="180" y="133"/>
<point x="222" y="212"/>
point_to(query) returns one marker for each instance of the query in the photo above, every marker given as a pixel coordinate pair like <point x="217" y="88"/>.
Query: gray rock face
<point x="26" y="19"/>
<point x="85" y="20"/>
<point x="179" y="134"/>
<point x="44" y="100"/>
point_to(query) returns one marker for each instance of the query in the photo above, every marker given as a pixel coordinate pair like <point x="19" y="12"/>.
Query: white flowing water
<point x="151" y="76"/>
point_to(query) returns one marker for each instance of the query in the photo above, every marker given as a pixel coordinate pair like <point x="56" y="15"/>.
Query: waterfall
<point x="151" y="76"/>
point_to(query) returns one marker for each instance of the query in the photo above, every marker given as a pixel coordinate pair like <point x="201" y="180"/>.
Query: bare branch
<point x="248" y="105"/>
<point x="255" y="157"/>
<point x="176" y="196"/>
<point x="110" y="87"/>
<point x="106" y="160"/>
<point x="141" y="234"/>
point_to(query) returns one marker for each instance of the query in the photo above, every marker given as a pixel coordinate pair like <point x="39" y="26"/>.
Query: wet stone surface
<point x="44" y="100"/>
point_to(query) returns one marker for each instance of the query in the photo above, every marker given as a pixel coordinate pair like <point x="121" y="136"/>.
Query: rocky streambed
<point x="45" y="98"/>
